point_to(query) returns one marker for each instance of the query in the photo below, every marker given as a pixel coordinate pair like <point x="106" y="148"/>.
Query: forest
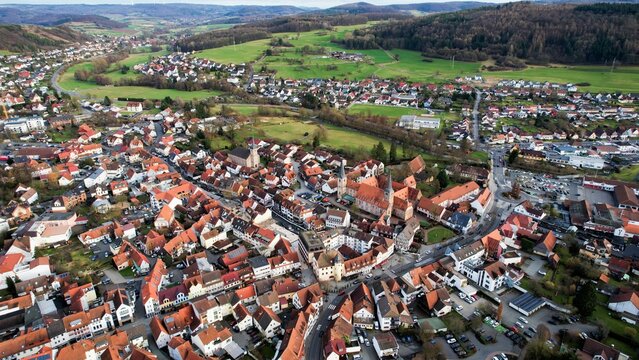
<point x="539" y="34"/>
<point x="20" y="38"/>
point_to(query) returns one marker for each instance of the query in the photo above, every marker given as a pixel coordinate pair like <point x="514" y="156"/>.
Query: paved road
<point x="476" y="118"/>
<point x="57" y="87"/>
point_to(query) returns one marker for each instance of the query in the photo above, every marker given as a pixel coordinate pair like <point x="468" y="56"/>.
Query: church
<point x="245" y="157"/>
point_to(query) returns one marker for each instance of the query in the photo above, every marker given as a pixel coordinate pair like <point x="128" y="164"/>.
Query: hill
<point x="25" y="38"/>
<point x="263" y="29"/>
<point x="198" y="13"/>
<point x="538" y="33"/>
<point x="364" y="7"/>
<point x="11" y="15"/>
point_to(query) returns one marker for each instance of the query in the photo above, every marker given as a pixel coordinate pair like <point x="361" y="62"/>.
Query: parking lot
<point x="546" y="187"/>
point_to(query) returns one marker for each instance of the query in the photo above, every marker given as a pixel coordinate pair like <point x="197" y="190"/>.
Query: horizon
<point x="323" y="4"/>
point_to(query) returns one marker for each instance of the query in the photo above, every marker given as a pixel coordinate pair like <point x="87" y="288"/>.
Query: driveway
<point x="115" y="276"/>
<point x="533" y="265"/>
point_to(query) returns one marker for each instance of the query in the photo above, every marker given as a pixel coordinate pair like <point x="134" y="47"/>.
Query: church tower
<point x="341" y="181"/>
<point x="389" y="194"/>
<point x="254" y="157"/>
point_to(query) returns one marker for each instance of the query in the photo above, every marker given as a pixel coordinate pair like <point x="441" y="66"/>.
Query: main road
<point x="475" y="117"/>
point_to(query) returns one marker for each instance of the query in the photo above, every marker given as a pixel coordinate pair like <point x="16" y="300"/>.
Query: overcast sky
<point x="301" y="3"/>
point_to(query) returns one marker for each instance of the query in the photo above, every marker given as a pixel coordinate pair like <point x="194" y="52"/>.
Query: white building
<point x="25" y="125"/>
<point x="416" y="122"/>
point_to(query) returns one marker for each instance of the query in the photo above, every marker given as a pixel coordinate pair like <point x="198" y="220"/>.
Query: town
<point x="491" y="219"/>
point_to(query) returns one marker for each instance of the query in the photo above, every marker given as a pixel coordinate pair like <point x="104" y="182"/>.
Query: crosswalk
<point x="332" y="307"/>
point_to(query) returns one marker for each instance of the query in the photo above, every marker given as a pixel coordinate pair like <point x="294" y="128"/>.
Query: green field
<point x="292" y="130"/>
<point x="240" y="53"/>
<point x="392" y="112"/>
<point x="628" y="173"/>
<point x="141" y="92"/>
<point x="411" y="65"/>
<point x="600" y="78"/>
<point x="438" y="234"/>
<point x="68" y="82"/>
<point x="6" y="52"/>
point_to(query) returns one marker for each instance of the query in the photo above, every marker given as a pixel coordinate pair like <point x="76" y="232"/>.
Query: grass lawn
<point x="146" y="93"/>
<point x="73" y="258"/>
<point x="66" y="134"/>
<point x="393" y="112"/>
<point x="242" y="109"/>
<point x="479" y="155"/>
<point x="240" y="53"/>
<point x="628" y="173"/>
<point x="128" y="272"/>
<point x="294" y="130"/>
<point x="6" y="52"/>
<point x="617" y="327"/>
<point x="438" y="234"/>
<point x="600" y="78"/>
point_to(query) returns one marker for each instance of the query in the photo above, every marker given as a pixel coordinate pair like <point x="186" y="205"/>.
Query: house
<point x="526" y="208"/>
<point x="120" y="304"/>
<point x="336" y="218"/>
<point x="267" y="322"/>
<point x="385" y="345"/>
<point x="134" y="106"/>
<point x="165" y="218"/>
<point x="29" y="196"/>
<point x="212" y="339"/>
<point x="593" y="349"/>
<point x="625" y="303"/>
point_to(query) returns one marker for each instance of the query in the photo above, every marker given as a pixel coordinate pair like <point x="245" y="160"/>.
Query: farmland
<point x="141" y="92"/>
<point x="411" y="65"/>
<point x="600" y="78"/>
<point x="382" y="110"/>
<point x="240" y="53"/>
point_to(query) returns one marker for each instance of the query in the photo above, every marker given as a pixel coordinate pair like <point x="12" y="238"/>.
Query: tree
<point x="513" y="155"/>
<point x="11" y="286"/>
<point x="392" y="153"/>
<point x="124" y="69"/>
<point x="543" y="333"/>
<point x="100" y="65"/>
<point x="106" y="101"/>
<point x="442" y="178"/>
<point x="465" y="145"/>
<point x="87" y="162"/>
<point x="379" y="152"/>
<point x="316" y="140"/>
<point x="586" y="299"/>
<point x="456" y="325"/>
<point x="476" y="322"/>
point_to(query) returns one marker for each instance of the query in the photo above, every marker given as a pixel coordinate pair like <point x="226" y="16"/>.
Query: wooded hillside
<point x="538" y="33"/>
<point x="19" y="38"/>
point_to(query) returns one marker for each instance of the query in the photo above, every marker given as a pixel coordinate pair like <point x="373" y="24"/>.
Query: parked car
<point x="451" y="341"/>
<point x="523" y="320"/>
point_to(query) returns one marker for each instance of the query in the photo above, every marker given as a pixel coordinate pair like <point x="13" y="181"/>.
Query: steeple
<point x="389" y="186"/>
<point x="389" y="196"/>
<point x="341" y="181"/>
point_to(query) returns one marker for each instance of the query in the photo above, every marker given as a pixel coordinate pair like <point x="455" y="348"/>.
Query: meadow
<point x="393" y="112"/>
<point x="141" y="92"/>
<point x="600" y="78"/>
<point x="68" y="82"/>
<point x="286" y="129"/>
<point x="236" y="54"/>
<point x="411" y="65"/>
